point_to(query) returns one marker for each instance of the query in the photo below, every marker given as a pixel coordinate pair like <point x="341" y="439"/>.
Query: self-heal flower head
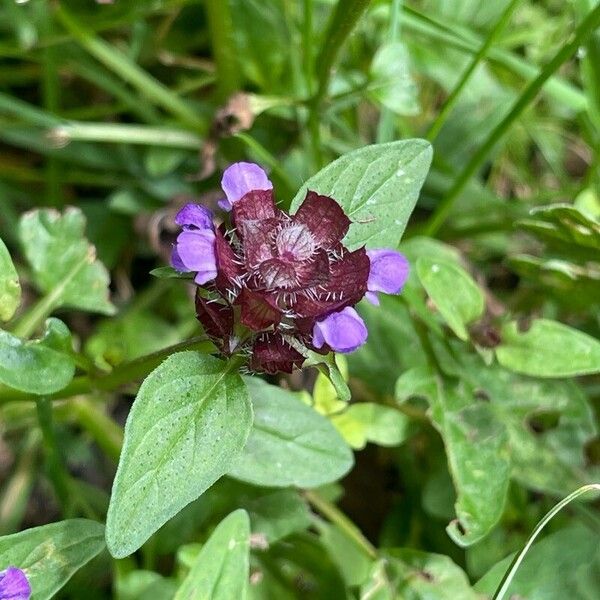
<point x="388" y="273"/>
<point x="275" y="285"/>
<point x="14" y="585"/>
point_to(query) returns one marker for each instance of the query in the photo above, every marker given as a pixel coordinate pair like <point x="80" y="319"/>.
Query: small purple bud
<point x="342" y="331"/>
<point x="195" y="251"/>
<point x="194" y="216"/>
<point x="389" y="272"/>
<point x="241" y="178"/>
<point x="14" y="585"/>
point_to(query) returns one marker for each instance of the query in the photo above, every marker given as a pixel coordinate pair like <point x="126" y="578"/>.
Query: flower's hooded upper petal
<point x="346" y="286"/>
<point x="271" y="354"/>
<point x="194" y="216"/>
<point x="241" y="178"/>
<point x="196" y="251"/>
<point x="388" y="272"/>
<point x="342" y="331"/>
<point x="14" y="585"/>
<point x="325" y="219"/>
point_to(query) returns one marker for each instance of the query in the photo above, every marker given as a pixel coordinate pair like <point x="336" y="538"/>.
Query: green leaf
<point x="290" y="443"/>
<point x="160" y="161"/>
<point x="392" y="84"/>
<point x="455" y="294"/>
<point x="189" y="422"/>
<point x="41" y="366"/>
<point x="170" y="273"/>
<point x="562" y="565"/>
<point x="63" y="263"/>
<point x="479" y="461"/>
<point x="50" y="554"/>
<point x="419" y="576"/>
<point x="368" y="422"/>
<point x="221" y="569"/>
<point x="548" y="349"/>
<point x="145" y="585"/>
<point x="10" y="288"/>
<point x="377" y="186"/>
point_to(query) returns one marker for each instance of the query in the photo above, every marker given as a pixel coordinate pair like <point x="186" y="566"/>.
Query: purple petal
<point x="196" y="251"/>
<point x="241" y="178"/>
<point x="225" y="205"/>
<point x="372" y="298"/>
<point x="342" y="331"/>
<point x="176" y="262"/>
<point x="194" y="216"/>
<point x="389" y="272"/>
<point x="14" y="585"/>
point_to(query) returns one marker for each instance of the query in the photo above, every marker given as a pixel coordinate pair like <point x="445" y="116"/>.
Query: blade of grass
<point x="122" y="66"/>
<point x="220" y="24"/>
<point x="450" y="102"/>
<point x="516" y="563"/>
<point x="528" y="95"/>
<point x="556" y="88"/>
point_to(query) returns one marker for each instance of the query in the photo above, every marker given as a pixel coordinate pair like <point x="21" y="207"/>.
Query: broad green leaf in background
<point x="221" y="569"/>
<point x="369" y="422"/>
<point x="41" y="366"/>
<point x="548" y="349"/>
<point x="10" y="289"/>
<point x="189" y="422"/>
<point x="145" y="585"/>
<point x="478" y="457"/>
<point x="455" y="294"/>
<point x="290" y="443"/>
<point x="62" y="261"/>
<point x="391" y="82"/>
<point x="50" y="554"/>
<point x="418" y="576"/>
<point x="562" y="565"/>
<point x="377" y="186"/>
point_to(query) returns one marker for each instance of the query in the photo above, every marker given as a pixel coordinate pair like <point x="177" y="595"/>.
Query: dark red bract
<point x="282" y="273"/>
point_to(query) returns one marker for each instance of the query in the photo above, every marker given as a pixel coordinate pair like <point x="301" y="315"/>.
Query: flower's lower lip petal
<point x="14" y="585"/>
<point x="176" y="262"/>
<point x="196" y="250"/>
<point x="241" y="178"/>
<point x="372" y="298"/>
<point x="343" y="331"/>
<point x="389" y="271"/>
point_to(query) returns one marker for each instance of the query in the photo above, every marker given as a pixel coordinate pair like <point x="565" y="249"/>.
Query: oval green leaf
<point x="10" y="289"/>
<point x="548" y="349"/>
<point x="63" y="262"/>
<point x="221" y="569"/>
<point x="51" y="554"/>
<point x="456" y="296"/>
<point x="188" y="424"/>
<point x="41" y="366"/>
<point x="290" y="443"/>
<point x="378" y="187"/>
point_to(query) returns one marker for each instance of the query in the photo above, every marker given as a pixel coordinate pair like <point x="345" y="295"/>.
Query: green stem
<point x="54" y="464"/>
<point x="516" y="563"/>
<point x="450" y="102"/>
<point x="124" y="134"/>
<point x="123" y="374"/>
<point x="336" y="516"/>
<point x="585" y="28"/>
<point x="220" y="24"/>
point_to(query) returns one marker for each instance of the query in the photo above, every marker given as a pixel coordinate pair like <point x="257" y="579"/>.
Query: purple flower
<point x="14" y="585"/>
<point x="342" y="331"/>
<point x="194" y="216"/>
<point x="241" y="178"/>
<point x="389" y="272"/>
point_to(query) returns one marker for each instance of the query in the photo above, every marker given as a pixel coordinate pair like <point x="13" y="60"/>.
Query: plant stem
<point x="585" y="28"/>
<point x="107" y="382"/>
<point x="450" y="102"/>
<point x="516" y="563"/>
<point x="336" y="516"/>
<point x="125" y="134"/>
<point x="54" y="464"/>
<point x="220" y="24"/>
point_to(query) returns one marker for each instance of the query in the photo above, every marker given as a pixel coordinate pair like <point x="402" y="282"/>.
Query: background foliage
<point x="474" y="402"/>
